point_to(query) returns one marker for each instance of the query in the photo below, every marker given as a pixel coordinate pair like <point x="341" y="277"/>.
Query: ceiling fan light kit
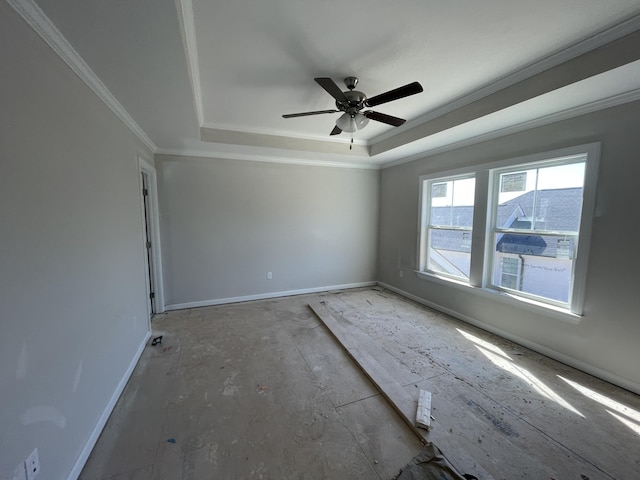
<point x="350" y="123"/>
<point x="353" y="101"/>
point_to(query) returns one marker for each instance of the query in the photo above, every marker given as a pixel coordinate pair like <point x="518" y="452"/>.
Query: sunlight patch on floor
<point x="626" y="415"/>
<point x="499" y="358"/>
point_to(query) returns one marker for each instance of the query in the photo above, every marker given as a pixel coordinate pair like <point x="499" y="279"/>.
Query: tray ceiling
<point x="215" y="77"/>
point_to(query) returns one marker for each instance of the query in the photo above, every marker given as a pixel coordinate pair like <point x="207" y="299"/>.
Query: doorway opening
<point x="151" y="236"/>
<point x="148" y="243"/>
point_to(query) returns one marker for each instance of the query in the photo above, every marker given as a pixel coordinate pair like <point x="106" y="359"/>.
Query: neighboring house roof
<point x="452" y="216"/>
<point x="556" y="209"/>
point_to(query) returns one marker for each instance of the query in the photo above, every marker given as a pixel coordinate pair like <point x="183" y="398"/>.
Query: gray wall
<point x="72" y="292"/>
<point x="226" y="223"/>
<point x="605" y="341"/>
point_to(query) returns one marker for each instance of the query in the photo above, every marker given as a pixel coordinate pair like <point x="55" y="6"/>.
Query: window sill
<point x="544" y="309"/>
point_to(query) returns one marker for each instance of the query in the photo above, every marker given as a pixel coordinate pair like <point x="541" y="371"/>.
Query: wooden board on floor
<point x="386" y="384"/>
<point x="423" y="414"/>
<point x="358" y="347"/>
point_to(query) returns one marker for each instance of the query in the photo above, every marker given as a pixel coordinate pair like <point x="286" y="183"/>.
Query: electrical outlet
<point x="269" y="276"/>
<point x="32" y="465"/>
<point x="401" y="274"/>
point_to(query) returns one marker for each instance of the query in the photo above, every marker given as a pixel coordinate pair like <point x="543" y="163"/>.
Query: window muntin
<point x="449" y="226"/>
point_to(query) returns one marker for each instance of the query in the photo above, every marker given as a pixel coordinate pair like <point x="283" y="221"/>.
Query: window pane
<point x="450" y="252"/>
<point x="552" y="200"/>
<point x="452" y="203"/>
<point x="539" y="265"/>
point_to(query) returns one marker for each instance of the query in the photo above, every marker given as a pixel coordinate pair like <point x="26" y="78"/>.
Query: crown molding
<point x="557" y="58"/>
<point x="190" y="45"/>
<point x="615" y="100"/>
<point x="266" y="158"/>
<point x="234" y="137"/>
<point x="208" y="126"/>
<point x="40" y="23"/>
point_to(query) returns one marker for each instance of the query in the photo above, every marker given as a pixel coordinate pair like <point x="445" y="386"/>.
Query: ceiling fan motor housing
<point x="355" y="102"/>
<point x="355" y="99"/>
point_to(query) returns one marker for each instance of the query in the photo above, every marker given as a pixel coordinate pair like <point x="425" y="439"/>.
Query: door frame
<point x="146" y="168"/>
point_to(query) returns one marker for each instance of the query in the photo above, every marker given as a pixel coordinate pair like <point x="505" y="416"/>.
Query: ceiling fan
<point x="352" y="102"/>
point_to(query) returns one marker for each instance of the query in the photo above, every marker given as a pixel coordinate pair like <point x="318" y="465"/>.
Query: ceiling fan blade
<point x="384" y="118"/>
<point x="336" y="131"/>
<point x="331" y="88"/>
<point x="400" y="92"/>
<point x="304" y="114"/>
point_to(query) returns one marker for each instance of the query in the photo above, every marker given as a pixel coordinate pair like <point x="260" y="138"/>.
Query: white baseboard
<point x="561" y="357"/>
<point x="93" y="438"/>
<point x="263" y="296"/>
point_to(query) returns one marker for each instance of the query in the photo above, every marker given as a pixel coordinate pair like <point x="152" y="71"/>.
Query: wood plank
<point x="423" y="414"/>
<point x="386" y="384"/>
<point x="358" y="346"/>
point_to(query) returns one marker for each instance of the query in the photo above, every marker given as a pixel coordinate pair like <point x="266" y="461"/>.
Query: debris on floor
<point x="431" y="464"/>
<point x="243" y="407"/>
<point x="423" y="413"/>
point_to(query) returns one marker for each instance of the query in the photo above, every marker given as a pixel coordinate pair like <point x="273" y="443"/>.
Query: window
<point x="520" y="227"/>
<point x="448" y="233"/>
<point x="535" y="231"/>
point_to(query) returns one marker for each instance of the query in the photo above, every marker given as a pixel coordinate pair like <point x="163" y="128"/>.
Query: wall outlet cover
<point x="32" y="465"/>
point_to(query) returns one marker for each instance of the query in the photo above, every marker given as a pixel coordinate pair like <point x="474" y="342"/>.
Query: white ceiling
<point x="227" y="71"/>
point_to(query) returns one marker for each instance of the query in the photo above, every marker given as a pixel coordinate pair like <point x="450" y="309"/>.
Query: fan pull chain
<point x="353" y="129"/>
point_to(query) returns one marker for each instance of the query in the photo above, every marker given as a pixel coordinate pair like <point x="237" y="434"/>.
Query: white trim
<point x="145" y="258"/>
<point x="590" y="155"/>
<point x="95" y="434"/>
<point x="267" y="159"/>
<point x="188" y="27"/>
<point x="36" y="18"/>
<point x="559" y="57"/>
<point x="263" y="296"/>
<point x="573" y="112"/>
<point x="156" y="251"/>
<point x="587" y="216"/>
<point x="282" y="133"/>
<point x="554" y="354"/>
<point x="540" y="308"/>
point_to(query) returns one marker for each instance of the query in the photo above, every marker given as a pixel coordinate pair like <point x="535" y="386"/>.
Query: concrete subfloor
<point x="260" y="390"/>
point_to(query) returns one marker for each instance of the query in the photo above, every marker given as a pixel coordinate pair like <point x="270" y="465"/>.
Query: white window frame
<point x="496" y="229"/>
<point x="486" y="188"/>
<point x="426" y="227"/>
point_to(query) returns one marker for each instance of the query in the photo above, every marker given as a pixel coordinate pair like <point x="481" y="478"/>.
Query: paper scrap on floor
<point x="431" y="464"/>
